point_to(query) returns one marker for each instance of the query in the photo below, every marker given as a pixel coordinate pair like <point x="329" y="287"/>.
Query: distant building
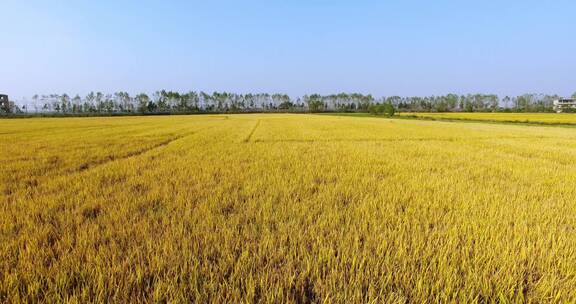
<point x="560" y="105"/>
<point x="5" y="104"/>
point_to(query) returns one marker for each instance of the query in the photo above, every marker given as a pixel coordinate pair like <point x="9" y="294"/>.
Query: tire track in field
<point x="112" y="158"/>
<point x="247" y="139"/>
<point x="66" y="173"/>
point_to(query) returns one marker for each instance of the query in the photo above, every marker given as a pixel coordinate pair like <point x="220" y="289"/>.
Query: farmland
<point x="286" y="208"/>
<point x="533" y="118"/>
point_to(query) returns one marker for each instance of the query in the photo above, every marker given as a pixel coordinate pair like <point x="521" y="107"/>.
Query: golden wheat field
<point x="541" y="118"/>
<point x="285" y="208"/>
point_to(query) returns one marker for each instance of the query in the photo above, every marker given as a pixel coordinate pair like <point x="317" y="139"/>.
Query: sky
<point x="385" y="48"/>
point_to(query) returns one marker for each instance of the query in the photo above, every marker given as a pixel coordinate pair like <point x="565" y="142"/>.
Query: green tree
<point x="76" y="104"/>
<point x="64" y="103"/>
<point x="385" y="108"/>
<point x="315" y="103"/>
<point x="142" y="102"/>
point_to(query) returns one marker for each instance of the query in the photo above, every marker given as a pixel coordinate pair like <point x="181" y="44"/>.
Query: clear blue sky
<point x="295" y="47"/>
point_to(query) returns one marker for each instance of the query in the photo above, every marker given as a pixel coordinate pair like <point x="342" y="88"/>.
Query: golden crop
<point x="285" y="208"/>
<point x="543" y="118"/>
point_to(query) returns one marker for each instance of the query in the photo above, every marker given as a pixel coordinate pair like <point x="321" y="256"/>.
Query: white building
<point x="564" y="103"/>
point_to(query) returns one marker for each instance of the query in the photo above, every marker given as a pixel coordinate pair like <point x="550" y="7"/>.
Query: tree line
<point x="199" y="102"/>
